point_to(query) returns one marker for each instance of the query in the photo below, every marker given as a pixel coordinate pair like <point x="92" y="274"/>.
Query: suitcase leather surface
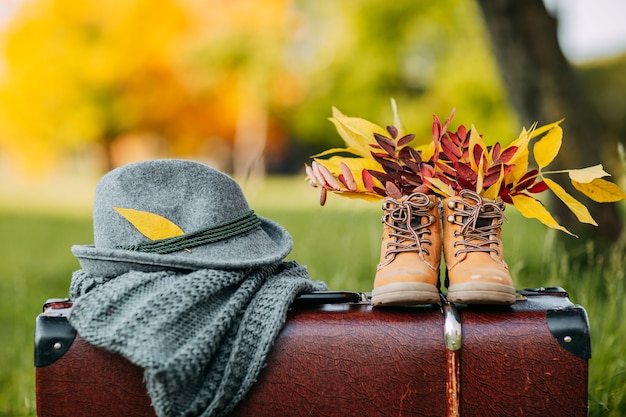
<point x="349" y="359"/>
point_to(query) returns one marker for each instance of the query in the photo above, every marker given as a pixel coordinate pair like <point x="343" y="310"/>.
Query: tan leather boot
<point x="472" y="247"/>
<point x="408" y="272"/>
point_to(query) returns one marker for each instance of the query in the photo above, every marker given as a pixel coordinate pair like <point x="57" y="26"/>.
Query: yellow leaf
<point x="579" y="209"/>
<point x="547" y="148"/>
<point x="367" y="196"/>
<point x="520" y="159"/>
<point x="534" y="132"/>
<point x="533" y="209"/>
<point x="600" y="190"/>
<point x="480" y="176"/>
<point x="357" y="133"/>
<point x="334" y="151"/>
<point x="150" y="225"/>
<point x="522" y="147"/>
<point x="475" y="140"/>
<point x="440" y="187"/>
<point x="587" y="174"/>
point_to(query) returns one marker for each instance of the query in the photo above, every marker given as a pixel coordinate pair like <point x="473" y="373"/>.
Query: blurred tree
<point x="544" y="86"/>
<point x="194" y="73"/>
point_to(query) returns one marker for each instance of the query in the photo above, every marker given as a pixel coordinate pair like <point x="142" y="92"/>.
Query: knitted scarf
<point x="202" y="337"/>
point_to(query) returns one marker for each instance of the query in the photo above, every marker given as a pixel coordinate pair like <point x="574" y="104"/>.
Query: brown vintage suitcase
<point x="338" y="356"/>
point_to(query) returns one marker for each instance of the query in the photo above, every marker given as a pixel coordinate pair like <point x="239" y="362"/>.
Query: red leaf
<point x="411" y="178"/>
<point x="479" y="153"/>
<point x="529" y="174"/>
<point x="538" y="187"/>
<point x="491" y="179"/>
<point x="421" y="189"/>
<point x="380" y="176"/>
<point x="495" y="151"/>
<point x="379" y="191"/>
<point x="494" y="169"/>
<point x="462" y="132"/>
<point x="416" y="155"/>
<point x="392" y="190"/>
<point x="347" y="177"/>
<point x="368" y="180"/>
<point x="412" y="165"/>
<point x="323" y="194"/>
<point x="427" y="170"/>
<point x="446" y="169"/>
<point x="385" y="143"/>
<point x="393" y="131"/>
<point x="527" y="180"/>
<point x="465" y="172"/>
<point x="436" y="130"/>
<point x="390" y="165"/>
<point x="406" y="139"/>
<point x="507" y="154"/>
<point x="450" y="150"/>
<point x="455" y="139"/>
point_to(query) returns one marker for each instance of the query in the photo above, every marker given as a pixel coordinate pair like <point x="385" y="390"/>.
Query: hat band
<point x="237" y="226"/>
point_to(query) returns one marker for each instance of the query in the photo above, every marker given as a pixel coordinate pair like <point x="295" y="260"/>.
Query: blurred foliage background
<point x="246" y="85"/>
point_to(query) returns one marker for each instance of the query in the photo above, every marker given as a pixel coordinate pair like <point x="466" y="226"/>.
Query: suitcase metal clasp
<point x="452" y="329"/>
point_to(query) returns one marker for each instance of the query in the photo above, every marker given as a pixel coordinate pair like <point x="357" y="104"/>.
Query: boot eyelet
<point x="451" y="204"/>
<point x="451" y="218"/>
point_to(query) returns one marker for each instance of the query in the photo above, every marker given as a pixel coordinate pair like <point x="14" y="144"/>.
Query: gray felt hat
<point x="217" y="229"/>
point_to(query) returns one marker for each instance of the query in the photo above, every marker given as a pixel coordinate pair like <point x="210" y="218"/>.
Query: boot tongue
<point x="483" y="222"/>
<point x="480" y="222"/>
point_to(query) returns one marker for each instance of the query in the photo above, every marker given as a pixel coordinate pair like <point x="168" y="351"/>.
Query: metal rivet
<point x="567" y="339"/>
<point x="451" y="204"/>
<point x="451" y="218"/>
<point x="57" y="346"/>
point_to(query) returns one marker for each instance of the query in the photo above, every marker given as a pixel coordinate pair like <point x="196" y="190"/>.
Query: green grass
<point x="339" y="244"/>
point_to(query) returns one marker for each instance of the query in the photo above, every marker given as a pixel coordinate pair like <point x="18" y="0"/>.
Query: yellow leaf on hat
<point x="150" y="225"/>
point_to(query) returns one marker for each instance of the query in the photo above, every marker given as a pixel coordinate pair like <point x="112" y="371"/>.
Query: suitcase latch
<point x="452" y="329"/>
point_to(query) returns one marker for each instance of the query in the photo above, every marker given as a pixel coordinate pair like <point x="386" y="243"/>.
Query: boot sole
<point x="481" y="293"/>
<point x="405" y="294"/>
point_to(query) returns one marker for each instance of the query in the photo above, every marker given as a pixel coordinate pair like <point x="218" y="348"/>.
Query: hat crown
<point x="189" y="194"/>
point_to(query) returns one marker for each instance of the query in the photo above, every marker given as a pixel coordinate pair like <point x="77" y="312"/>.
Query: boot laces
<point x="480" y="224"/>
<point x="409" y="233"/>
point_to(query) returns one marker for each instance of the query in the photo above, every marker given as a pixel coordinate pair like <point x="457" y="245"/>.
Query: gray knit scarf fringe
<point x="202" y="337"/>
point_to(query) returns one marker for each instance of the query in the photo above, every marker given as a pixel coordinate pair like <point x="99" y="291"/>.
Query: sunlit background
<point x="247" y="86"/>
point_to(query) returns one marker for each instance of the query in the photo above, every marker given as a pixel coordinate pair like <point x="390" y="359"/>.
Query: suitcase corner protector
<point x="570" y="327"/>
<point x="53" y="337"/>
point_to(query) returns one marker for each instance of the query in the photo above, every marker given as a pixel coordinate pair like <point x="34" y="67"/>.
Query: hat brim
<point x="265" y="245"/>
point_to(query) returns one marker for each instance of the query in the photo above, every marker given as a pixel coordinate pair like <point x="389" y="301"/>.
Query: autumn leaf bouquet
<point x="449" y="191"/>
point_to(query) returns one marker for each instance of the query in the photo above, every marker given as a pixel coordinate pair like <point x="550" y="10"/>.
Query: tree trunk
<point x="544" y="87"/>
